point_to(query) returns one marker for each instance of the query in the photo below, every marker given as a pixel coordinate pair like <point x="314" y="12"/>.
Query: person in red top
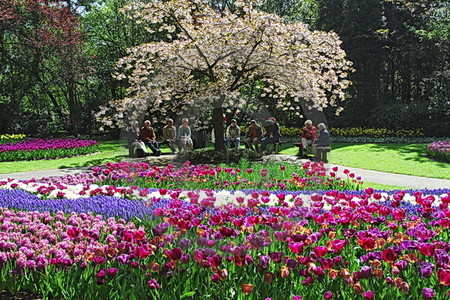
<point x="148" y="136"/>
<point x="254" y="135"/>
<point x="308" y="137"/>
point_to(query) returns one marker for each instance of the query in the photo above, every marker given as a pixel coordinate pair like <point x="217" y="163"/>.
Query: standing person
<point x="184" y="135"/>
<point x="254" y="135"/>
<point x="134" y="141"/>
<point x="148" y="136"/>
<point x="233" y="134"/>
<point x="170" y="135"/>
<point x="272" y="134"/>
<point x="323" y="139"/>
<point x="308" y="136"/>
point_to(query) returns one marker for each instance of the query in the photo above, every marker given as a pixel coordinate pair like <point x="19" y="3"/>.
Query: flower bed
<point x="32" y="149"/>
<point x="311" y="176"/>
<point x="134" y="231"/>
<point x="11" y="138"/>
<point x="439" y="150"/>
<point x="346" y="246"/>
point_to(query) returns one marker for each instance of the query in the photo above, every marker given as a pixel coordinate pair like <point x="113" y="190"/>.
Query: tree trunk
<point x="313" y="114"/>
<point x="219" y="131"/>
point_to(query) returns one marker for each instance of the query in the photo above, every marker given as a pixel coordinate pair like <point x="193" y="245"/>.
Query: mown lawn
<point x="409" y="159"/>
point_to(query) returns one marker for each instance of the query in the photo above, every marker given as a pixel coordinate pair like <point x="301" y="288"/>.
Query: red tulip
<point x="320" y="251"/>
<point x="367" y="243"/>
<point x="444" y="276"/>
<point x="215" y="277"/>
<point x="388" y="255"/>
<point x="426" y="249"/>
<point x="296" y="247"/>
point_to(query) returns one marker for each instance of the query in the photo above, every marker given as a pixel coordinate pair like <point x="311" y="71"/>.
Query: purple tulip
<point x="428" y="293"/>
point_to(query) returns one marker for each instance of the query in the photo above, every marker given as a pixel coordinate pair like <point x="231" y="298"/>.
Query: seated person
<point x="170" y="135"/>
<point x="134" y="140"/>
<point x="233" y="135"/>
<point x="323" y="139"/>
<point x="254" y="135"/>
<point x="272" y="134"/>
<point x="184" y="135"/>
<point x="308" y="137"/>
<point x="148" y="136"/>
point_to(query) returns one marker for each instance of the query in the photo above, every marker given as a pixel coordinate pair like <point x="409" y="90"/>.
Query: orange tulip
<point x="247" y="288"/>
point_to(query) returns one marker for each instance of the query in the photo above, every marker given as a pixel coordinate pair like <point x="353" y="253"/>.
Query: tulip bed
<point x="32" y="149"/>
<point x="11" y="138"/>
<point x="74" y="237"/>
<point x="439" y="150"/>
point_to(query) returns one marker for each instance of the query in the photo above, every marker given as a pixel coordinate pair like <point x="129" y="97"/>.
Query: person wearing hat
<point x="254" y="134"/>
<point x="233" y="134"/>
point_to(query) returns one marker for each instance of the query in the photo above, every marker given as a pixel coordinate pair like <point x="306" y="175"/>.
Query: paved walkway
<point x="413" y="182"/>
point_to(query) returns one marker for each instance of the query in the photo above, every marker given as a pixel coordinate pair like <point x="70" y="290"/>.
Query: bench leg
<point x="131" y="151"/>
<point x="322" y="156"/>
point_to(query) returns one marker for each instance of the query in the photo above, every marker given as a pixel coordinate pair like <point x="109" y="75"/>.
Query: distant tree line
<point x="57" y="59"/>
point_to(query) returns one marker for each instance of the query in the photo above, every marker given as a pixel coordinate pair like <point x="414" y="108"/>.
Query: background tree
<point x="214" y="54"/>
<point x="40" y="42"/>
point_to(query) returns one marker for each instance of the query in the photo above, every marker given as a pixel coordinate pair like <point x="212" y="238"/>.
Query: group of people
<point x="314" y="137"/>
<point x="255" y="135"/>
<point x="311" y="136"/>
<point x="140" y="137"/>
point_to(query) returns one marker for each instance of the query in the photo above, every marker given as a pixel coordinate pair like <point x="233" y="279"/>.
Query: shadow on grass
<point x="94" y="162"/>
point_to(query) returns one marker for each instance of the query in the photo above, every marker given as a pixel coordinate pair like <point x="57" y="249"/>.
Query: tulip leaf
<point x="188" y="294"/>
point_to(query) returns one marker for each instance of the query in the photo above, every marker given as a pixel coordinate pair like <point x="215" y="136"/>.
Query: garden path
<point x="413" y="182"/>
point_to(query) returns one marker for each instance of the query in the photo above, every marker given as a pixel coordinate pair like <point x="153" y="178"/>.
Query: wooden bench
<point x="300" y="147"/>
<point x="322" y="154"/>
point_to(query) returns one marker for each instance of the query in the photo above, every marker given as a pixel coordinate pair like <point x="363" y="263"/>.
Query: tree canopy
<point x="210" y="55"/>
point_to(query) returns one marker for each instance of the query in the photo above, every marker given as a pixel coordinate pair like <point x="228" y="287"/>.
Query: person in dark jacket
<point x="323" y="138"/>
<point x="272" y="134"/>
<point x="148" y="136"/>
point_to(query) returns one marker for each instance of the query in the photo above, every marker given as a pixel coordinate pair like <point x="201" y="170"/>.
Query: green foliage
<point x="375" y="132"/>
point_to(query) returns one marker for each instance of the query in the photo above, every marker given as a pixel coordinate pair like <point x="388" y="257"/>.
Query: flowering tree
<point x="211" y="53"/>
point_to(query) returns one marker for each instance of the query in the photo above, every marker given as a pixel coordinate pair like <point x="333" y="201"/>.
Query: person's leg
<point x="171" y="146"/>
<point x="153" y="147"/>
<point x="256" y="143"/>
<point x="228" y="142"/>
<point x="248" y="143"/>
<point x="304" y="146"/>
<point x="191" y="144"/>
<point x="314" y="149"/>
<point x="237" y="142"/>
<point x="158" y="151"/>
<point x="264" y="144"/>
